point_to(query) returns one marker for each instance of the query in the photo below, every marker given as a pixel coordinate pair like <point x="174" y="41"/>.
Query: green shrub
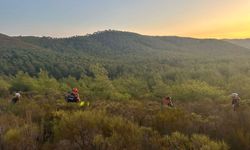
<point x="4" y="88"/>
<point x="195" y="90"/>
<point x="88" y="130"/>
<point x="170" y="120"/>
<point x="30" y="111"/>
<point x="197" y="142"/>
<point x="24" y="137"/>
<point x="23" y="82"/>
<point x="204" y="143"/>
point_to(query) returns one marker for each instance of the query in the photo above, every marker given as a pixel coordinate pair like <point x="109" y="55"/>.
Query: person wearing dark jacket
<point x="16" y="98"/>
<point x="73" y="96"/>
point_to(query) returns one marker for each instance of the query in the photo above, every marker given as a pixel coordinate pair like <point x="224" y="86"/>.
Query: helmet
<point x="234" y="95"/>
<point x="75" y="90"/>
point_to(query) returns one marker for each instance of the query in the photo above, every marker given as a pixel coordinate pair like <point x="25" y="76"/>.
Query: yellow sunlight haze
<point x="231" y="21"/>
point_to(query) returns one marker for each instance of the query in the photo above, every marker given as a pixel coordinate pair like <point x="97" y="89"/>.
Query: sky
<point x="64" y="18"/>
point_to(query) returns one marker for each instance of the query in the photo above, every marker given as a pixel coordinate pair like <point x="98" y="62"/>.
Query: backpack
<point x="71" y="98"/>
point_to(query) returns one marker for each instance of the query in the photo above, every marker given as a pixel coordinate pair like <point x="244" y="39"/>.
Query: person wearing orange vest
<point x="73" y="96"/>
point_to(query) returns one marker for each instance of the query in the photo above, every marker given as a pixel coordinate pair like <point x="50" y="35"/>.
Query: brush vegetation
<point x="124" y="76"/>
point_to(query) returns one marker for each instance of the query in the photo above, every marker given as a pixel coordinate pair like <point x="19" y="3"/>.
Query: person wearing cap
<point x="235" y="101"/>
<point x="16" y="98"/>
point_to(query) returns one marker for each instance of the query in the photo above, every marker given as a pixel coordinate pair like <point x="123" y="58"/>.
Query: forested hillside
<point x="240" y="42"/>
<point x="113" y="49"/>
<point x="124" y="76"/>
<point x="122" y="57"/>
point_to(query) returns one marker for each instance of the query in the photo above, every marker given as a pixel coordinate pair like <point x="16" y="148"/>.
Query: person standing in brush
<point x="73" y="96"/>
<point x="16" y="98"/>
<point x="167" y="101"/>
<point x="235" y="101"/>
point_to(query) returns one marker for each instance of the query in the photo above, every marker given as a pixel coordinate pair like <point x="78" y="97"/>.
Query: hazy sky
<point x="59" y="18"/>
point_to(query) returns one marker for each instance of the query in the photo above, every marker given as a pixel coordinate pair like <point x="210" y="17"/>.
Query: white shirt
<point x="18" y="95"/>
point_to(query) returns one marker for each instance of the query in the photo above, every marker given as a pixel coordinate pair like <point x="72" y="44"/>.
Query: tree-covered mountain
<point x="119" y="52"/>
<point x="240" y="42"/>
<point x="116" y="42"/>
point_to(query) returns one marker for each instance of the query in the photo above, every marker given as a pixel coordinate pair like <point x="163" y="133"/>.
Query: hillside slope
<point x="240" y="42"/>
<point x="116" y="42"/>
<point x="115" y="50"/>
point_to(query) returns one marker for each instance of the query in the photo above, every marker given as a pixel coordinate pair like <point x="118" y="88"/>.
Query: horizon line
<point x="113" y="30"/>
